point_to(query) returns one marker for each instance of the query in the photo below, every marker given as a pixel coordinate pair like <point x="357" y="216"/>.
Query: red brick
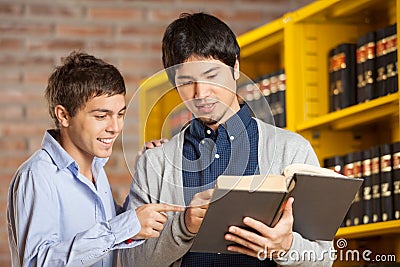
<point x="23" y="28"/>
<point x="22" y="129"/>
<point x="14" y="94"/>
<point x="35" y="142"/>
<point x="148" y="65"/>
<point x="11" y="44"/>
<point x="214" y="2"/>
<point x="164" y="16"/>
<point x="54" y="44"/>
<point x="12" y="162"/>
<point x="60" y="11"/>
<point x="131" y="14"/>
<point x="115" y="178"/>
<point x="83" y="30"/>
<point x="120" y="191"/>
<point x="115" y="162"/>
<point x="11" y="9"/>
<point x="141" y="30"/>
<point x="239" y="15"/>
<point x="4" y="242"/>
<point x="4" y="249"/>
<point x="34" y="77"/>
<point x="10" y="77"/>
<point x="11" y="112"/>
<point x="153" y="47"/>
<point x="4" y="184"/>
<point x="37" y="112"/>
<point x="5" y="260"/>
<point x="107" y="45"/>
<point x="26" y="61"/>
<point x="13" y="144"/>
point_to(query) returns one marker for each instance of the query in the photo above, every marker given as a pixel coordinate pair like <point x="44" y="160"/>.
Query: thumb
<point x="288" y="210"/>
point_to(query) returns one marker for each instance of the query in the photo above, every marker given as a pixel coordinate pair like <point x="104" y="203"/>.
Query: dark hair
<point x="80" y="78"/>
<point x="201" y="35"/>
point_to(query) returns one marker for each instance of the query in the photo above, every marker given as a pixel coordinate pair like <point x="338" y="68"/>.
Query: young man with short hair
<point x="60" y="208"/>
<point x="201" y="57"/>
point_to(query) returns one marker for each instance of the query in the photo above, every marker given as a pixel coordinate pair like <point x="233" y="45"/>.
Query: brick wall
<point x="34" y="34"/>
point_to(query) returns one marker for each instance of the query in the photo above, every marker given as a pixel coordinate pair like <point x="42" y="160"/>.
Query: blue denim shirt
<point x="57" y="217"/>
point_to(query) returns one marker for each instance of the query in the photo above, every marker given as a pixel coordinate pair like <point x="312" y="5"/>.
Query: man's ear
<point x="236" y="71"/>
<point x="62" y="115"/>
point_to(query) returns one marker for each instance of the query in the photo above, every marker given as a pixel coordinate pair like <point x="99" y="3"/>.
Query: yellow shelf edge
<point x="331" y="8"/>
<point x="253" y="36"/>
<point x="372" y="229"/>
<point x="335" y="117"/>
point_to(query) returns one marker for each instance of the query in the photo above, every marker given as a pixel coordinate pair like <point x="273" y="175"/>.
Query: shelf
<point x="360" y="11"/>
<point x="355" y="115"/>
<point x="367" y="230"/>
<point x="261" y="39"/>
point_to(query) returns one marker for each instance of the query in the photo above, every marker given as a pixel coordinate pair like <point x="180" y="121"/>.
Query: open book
<point x="322" y="199"/>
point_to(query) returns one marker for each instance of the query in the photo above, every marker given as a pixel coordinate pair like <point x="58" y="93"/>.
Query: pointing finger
<point x="166" y="207"/>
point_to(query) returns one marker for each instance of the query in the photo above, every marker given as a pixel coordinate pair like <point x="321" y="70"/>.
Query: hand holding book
<point x="272" y="241"/>
<point x="322" y="198"/>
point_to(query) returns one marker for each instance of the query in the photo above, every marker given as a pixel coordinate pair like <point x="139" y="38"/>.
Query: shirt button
<point x="208" y="131"/>
<point x="217" y="156"/>
<point x="202" y="141"/>
<point x="231" y="137"/>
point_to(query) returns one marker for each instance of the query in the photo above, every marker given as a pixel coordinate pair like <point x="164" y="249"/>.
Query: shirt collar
<point x="59" y="156"/>
<point x="235" y="125"/>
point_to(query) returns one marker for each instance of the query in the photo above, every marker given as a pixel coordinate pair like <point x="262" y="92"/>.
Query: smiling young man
<point x="201" y="57"/>
<point x="60" y="207"/>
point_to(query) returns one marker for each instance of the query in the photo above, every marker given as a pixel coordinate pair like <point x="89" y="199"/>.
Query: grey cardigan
<point x="158" y="179"/>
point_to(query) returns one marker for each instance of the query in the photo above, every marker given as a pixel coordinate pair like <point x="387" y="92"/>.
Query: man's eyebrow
<point x="204" y="73"/>
<point x="210" y="70"/>
<point x="106" y="110"/>
<point x="184" y="77"/>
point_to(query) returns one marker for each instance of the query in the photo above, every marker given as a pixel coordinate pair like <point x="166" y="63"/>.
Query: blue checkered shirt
<point x="207" y="154"/>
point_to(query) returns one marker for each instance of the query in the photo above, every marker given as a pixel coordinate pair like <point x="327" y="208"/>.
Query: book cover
<point x="322" y="199"/>
<point x="367" y="185"/>
<point x="369" y="66"/>
<point x="334" y="93"/>
<point x="336" y="164"/>
<point x="281" y="99"/>
<point x="274" y="104"/>
<point x="375" y="185"/>
<point x="386" y="183"/>
<point x="346" y="82"/>
<point x="361" y="57"/>
<point x="367" y="92"/>
<point x="396" y="179"/>
<point x="352" y="169"/>
<point x="391" y="55"/>
<point x="381" y="62"/>
<point x="229" y="207"/>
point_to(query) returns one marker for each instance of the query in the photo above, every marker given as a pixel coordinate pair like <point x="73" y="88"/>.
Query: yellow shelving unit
<point x="368" y="230"/>
<point x="299" y="42"/>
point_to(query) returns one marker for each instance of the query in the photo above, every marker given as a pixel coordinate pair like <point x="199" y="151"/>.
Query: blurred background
<point x="35" y="34"/>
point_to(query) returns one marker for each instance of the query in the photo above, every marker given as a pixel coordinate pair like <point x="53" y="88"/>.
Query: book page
<point x="271" y="183"/>
<point x="309" y="169"/>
